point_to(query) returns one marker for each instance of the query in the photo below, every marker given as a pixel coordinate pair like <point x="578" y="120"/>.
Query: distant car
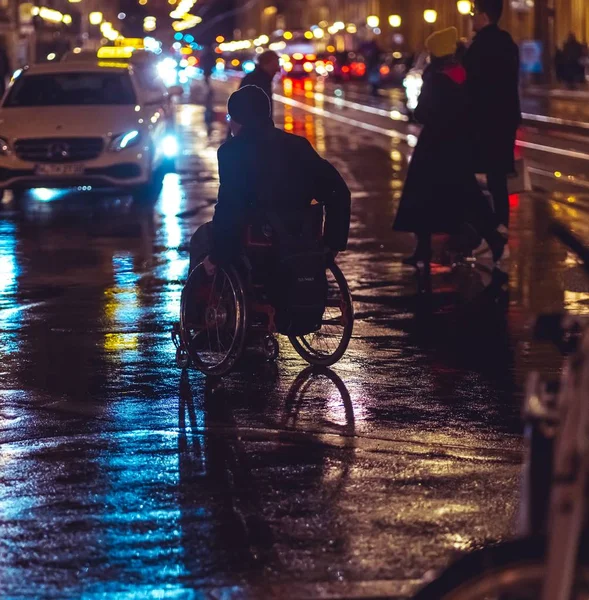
<point x="83" y="124"/>
<point x="299" y="65"/>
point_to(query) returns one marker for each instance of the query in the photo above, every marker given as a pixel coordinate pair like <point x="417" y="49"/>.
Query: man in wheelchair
<point x="268" y="178"/>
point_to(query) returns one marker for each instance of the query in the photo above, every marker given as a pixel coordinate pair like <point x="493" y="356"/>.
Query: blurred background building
<point x="390" y="21"/>
<point x="31" y="31"/>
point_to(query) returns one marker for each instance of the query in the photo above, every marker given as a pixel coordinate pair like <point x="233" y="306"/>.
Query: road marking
<point x="321" y="112"/>
<point x="393" y="133"/>
<point x="564" y="179"/>
<point x="395" y="115"/>
<point x="555" y="121"/>
<point x="398" y="116"/>
<point x="551" y="150"/>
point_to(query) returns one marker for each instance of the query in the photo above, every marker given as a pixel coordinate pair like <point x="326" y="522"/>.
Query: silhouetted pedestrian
<point x="492" y="67"/>
<point x="263" y="75"/>
<point x="207" y="63"/>
<point x="441" y="192"/>
<point x="572" y="54"/>
<point x="5" y="70"/>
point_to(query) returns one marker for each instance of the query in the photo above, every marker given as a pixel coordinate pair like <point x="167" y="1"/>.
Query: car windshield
<point x="71" y="89"/>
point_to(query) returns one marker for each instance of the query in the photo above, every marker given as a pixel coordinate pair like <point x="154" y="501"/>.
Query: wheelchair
<point x="222" y="315"/>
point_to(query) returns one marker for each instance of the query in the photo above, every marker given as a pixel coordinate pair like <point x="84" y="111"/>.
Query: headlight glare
<point x="124" y="140"/>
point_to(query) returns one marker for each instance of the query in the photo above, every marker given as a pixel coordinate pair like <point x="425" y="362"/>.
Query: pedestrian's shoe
<point x="498" y="244"/>
<point x="482" y="249"/>
<point x="485" y="249"/>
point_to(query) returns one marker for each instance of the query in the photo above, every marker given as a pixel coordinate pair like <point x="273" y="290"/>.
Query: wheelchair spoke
<point x="212" y="319"/>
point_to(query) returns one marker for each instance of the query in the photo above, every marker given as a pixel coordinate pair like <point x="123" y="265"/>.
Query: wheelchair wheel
<point x="512" y="570"/>
<point x="327" y="345"/>
<point x="213" y="319"/>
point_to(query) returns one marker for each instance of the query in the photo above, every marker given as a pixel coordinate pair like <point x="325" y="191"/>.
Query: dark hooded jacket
<point x="264" y="168"/>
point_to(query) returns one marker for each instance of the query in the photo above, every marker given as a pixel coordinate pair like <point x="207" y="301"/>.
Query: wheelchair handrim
<point x="328" y="345"/>
<point x="229" y="354"/>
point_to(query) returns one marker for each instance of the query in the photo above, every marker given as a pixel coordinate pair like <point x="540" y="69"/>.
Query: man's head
<point x="248" y="107"/>
<point x="486" y="12"/>
<point x="269" y="62"/>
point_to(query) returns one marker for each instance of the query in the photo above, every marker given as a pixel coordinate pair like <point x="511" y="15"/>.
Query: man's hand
<point x="210" y="267"/>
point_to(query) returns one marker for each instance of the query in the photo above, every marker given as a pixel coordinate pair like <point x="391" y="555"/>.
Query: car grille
<point x="58" y="150"/>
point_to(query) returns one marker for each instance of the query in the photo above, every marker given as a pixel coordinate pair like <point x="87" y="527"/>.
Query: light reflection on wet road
<point x="122" y="479"/>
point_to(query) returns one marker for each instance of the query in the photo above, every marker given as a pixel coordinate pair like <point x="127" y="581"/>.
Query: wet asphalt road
<point x="123" y="478"/>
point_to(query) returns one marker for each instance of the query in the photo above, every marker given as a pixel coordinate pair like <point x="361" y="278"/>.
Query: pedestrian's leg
<point x="423" y="250"/>
<point x="200" y="244"/>
<point x="497" y="184"/>
<point x="486" y="222"/>
<point x="424" y="246"/>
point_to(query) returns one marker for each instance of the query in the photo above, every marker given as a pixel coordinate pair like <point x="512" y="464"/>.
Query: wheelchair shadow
<point x="220" y="518"/>
<point x="302" y="393"/>
<point x="216" y="476"/>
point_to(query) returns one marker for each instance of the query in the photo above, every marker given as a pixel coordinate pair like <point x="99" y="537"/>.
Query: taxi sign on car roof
<point x="111" y="64"/>
<point x="114" y="52"/>
<point x="136" y="43"/>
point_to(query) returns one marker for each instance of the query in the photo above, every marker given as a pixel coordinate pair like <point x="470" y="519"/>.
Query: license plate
<point x="60" y="170"/>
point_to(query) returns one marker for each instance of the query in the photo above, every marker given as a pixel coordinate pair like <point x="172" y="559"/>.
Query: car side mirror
<point x="176" y="90"/>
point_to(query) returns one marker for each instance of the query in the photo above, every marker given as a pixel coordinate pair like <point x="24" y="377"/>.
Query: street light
<point x="318" y="32"/>
<point x="395" y="20"/>
<point x="464" y="7"/>
<point x="372" y="21"/>
<point x="430" y="16"/>
<point x="95" y="18"/>
<point x="149" y="24"/>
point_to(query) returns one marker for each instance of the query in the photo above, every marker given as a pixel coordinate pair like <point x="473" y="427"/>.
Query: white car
<point x="74" y="124"/>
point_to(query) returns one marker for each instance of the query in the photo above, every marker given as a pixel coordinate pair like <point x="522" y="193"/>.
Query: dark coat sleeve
<point x="331" y="190"/>
<point x="492" y="67"/>
<point x="230" y="215"/>
<point x="432" y="105"/>
<point x="441" y="106"/>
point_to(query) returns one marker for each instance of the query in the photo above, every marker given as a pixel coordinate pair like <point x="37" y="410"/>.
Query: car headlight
<point x="124" y="140"/>
<point x="4" y="147"/>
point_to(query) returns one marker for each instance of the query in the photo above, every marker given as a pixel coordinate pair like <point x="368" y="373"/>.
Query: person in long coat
<point x="492" y="68"/>
<point x="441" y="192"/>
